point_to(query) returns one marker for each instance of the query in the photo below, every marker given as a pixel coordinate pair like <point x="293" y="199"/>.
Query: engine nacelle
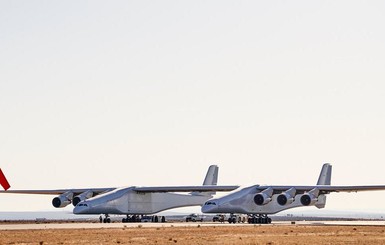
<point x="263" y="197"/>
<point x="82" y="197"/>
<point x="62" y="200"/>
<point x="285" y="199"/>
<point x="308" y="199"/>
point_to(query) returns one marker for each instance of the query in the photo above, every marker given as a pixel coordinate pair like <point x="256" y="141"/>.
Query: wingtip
<point x="3" y="181"/>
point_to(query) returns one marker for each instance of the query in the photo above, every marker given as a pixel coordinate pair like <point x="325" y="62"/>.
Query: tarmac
<point x="40" y="226"/>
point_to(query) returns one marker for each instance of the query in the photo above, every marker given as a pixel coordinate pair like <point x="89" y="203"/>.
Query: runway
<point x="43" y="226"/>
<point x="318" y="233"/>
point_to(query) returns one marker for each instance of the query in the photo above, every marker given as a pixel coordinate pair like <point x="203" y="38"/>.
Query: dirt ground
<point x="253" y="234"/>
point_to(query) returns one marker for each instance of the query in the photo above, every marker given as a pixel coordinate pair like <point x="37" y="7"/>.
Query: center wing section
<point x="204" y="188"/>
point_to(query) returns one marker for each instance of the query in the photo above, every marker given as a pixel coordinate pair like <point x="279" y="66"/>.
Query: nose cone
<point x="81" y="208"/>
<point x="210" y="206"/>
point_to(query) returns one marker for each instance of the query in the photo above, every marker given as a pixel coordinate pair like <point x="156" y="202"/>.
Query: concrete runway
<point x="178" y="224"/>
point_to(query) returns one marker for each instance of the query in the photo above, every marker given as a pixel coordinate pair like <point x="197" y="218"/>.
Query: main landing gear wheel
<point x="259" y="219"/>
<point x="132" y="218"/>
<point x="106" y="219"/>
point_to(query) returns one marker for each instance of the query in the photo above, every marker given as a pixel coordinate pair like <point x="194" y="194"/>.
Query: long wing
<point x="96" y="191"/>
<point x="324" y="189"/>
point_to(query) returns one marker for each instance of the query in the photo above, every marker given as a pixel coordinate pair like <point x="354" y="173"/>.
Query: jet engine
<point x="310" y="198"/>
<point x="62" y="200"/>
<point x="82" y="197"/>
<point x="287" y="197"/>
<point x="263" y="197"/>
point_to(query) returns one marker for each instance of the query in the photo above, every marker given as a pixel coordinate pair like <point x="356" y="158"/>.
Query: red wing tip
<point x="4" y="181"/>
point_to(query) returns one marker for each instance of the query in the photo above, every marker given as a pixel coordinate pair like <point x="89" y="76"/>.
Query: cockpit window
<point x="83" y="205"/>
<point x="210" y="203"/>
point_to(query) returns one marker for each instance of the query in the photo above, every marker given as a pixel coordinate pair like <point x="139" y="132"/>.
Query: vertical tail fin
<point x="211" y="176"/>
<point x="325" y="176"/>
<point x="3" y="181"/>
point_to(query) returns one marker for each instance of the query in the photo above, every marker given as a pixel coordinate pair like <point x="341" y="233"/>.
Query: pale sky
<point x="149" y="93"/>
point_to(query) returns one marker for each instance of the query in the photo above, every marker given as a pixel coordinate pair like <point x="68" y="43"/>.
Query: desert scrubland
<point x="253" y="234"/>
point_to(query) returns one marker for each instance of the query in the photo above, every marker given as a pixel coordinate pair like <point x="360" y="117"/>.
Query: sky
<point x="150" y="93"/>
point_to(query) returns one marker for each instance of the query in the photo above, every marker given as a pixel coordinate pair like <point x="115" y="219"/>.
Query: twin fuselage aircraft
<point x="257" y="201"/>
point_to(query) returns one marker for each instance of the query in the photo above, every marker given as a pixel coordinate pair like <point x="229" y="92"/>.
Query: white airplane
<point x="259" y="201"/>
<point x="133" y="201"/>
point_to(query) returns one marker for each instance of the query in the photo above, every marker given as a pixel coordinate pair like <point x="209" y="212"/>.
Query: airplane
<point x="258" y="200"/>
<point x="133" y="201"/>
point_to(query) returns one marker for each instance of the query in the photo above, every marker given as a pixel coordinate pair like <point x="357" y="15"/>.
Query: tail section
<point x="325" y="176"/>
<point x="210" y="179"/>
<point x="3" y="181"/>
<point x="211" y="176"/>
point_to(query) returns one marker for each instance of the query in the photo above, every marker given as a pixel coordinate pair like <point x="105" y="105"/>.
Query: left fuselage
<point x="127" y="201"/>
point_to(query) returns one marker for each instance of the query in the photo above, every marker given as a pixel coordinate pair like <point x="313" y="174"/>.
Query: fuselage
<point x="242" y="201"/>
<point x="127" y="201"/>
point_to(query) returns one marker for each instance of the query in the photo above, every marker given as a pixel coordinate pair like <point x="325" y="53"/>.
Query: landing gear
<point x="106" y="219"/>
<point x="131" y="218"/>
<point x="259" y="219"/>
<point x="232" y="220"/>
<point x="134" y="218"/>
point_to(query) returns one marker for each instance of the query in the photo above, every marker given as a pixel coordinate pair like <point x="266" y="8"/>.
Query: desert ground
<point x="199" y="234"/>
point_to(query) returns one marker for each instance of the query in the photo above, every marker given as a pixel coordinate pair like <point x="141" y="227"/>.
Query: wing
<point x="74" y="196"/>
<point x="323" y="189"/>
<point x="96" y="191"/>
<point x="204" y="188"/>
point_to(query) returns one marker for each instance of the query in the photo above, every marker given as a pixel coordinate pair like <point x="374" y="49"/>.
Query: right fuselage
<point x="243" y="201"/>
